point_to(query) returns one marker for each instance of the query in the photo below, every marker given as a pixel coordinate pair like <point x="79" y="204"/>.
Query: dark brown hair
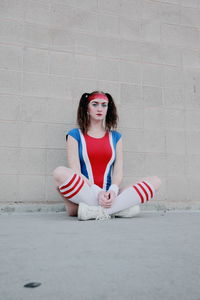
<point x="82" y="115"/>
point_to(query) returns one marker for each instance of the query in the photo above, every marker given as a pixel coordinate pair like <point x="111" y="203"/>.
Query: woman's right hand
<point x="103" y="199"/>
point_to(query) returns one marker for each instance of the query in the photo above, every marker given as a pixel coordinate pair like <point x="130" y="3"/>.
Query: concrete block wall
<point x="146" y="53"/>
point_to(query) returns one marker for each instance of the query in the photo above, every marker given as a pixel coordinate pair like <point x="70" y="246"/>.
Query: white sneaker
<point x="129" y="212"/>
<point x="86" y="212"/>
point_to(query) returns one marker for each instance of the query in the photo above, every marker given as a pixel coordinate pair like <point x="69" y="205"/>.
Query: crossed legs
<point x="75" y="189"/>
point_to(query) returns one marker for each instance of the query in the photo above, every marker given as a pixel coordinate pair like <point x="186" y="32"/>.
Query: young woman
<point x="90" y="186"/>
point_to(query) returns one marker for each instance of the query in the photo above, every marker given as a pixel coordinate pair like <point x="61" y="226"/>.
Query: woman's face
<point x="97" y="109"/>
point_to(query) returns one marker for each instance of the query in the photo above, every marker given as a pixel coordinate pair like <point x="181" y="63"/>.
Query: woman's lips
<point x="99" y="114"/>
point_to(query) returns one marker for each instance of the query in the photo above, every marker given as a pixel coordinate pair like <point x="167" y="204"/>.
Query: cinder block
<point x="132" y="9"/>
<point x="62" y="16"/>
<point x="191" y="98"/>
<point x="85" y="66"/>
<point x="191" y="3"/>
<point x="109" y="6"/>
<point x="84" y="20"/>
<point x="193" y="142"/>
<point x="36" y="60"/>
<point x="59" y="87"/>
<point x="175" y="142"/>
<point x="32" y="161"/>
<point x="130" y="50"/>
<point x="129" y="29"/>
<point x="131" y="117"/>
<point x="36" y="84"/>
<point x="9" y="161"/>
<point x="150" y="31"/>
<point x="33" y="135"/>
<point x="170" y="13"/>
<point x="133" y="140"/>
<point x="170" y="34"/>
<point x="151" y="53"/>
<point x="32" y="188"/>
<point x="131" y="94"/>
<point x="55" y="158"/>
<point x="61" y="63"/>
<point x="87" y="4"/>
<point x="191" y="79"/>
<point x="153" y="118"/>
<point x="85" y="43"/>
<point x="107" y="69"/>
<point x="56" y="135"/>
<point x="191" y="58"/>
<point x="133" y="164"/>
<point x="9" y="194"/>
<point x="38" y="12"/>
<point x="192" y="120"/>
<point x="175" y="119"/>
<point x="10" y="82"/>
<point x="189" y="36"/>
<point x="33" y="109"/>
<point x="51" y="194"/>
<point x="12" y="9"/>
<point x="193" y="165"/>
<point x="171" y="1"/>
<point x="172" y="77"/>
<point x="108" y="25"/>
<point x="190" y="16"/>
<point x="155" y="164"/>
<point x="152" y="96"/>
<point x="10" y="107"/>
<point x="11" y="31"/>
<point x="194" y="188"/>
<point x="151" y="10"/>
<point x="64" y="2"/>
<point x="60" y="111"/>
<point x="81" y="86"/>
<point x="10" y="134"/>
<point x="108" y="47"/>
<point x="179" y="35"/>
<point x="171" y="55"/>
<point x="154" y="141"/>
<point x="152" y="75"/>
<point x="177" y="189"/>
<point x="62" y="39"/>
<point x="175" y="164"/>
<point x="173" y="97"/>
<point x="36" y="35"/>
<point x="11" y="57"/>
<point x="130" y="73"/>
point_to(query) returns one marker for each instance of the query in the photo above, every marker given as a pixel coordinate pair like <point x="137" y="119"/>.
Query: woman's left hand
<point x="111" y="196"/>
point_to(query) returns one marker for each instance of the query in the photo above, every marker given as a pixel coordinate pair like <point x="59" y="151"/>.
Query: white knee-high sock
<point x="77" y="190"/>
<point x="137" y="194"/>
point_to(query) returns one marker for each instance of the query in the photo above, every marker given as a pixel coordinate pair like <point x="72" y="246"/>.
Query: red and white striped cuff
<point x="145" y="191"/>
<point x="71" y="186"/>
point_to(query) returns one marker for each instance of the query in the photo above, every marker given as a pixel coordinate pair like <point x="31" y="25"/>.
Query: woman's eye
<point x="94" y="104"/>
<point x="104" y="105"/>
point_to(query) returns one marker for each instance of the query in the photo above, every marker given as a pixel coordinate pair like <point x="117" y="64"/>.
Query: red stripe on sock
<point x="69" y="183"/>
<point x="141" y="197"/>
<point x="147" y="197"/>
<point x="76" y="192"/>
<point x="74" y="186"/>
<point x="150" y="189"/>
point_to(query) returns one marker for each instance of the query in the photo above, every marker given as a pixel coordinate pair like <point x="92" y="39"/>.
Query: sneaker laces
<point x="103" y="215"/>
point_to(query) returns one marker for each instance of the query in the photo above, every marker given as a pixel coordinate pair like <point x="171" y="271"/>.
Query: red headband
<point x="96" y="96"/>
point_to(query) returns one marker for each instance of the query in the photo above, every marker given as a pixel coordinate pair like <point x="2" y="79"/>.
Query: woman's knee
<point x="60" y="174"/>
<point x="154" y="180"/>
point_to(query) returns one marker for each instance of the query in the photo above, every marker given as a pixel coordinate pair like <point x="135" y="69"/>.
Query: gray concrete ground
<point x="154" y="256"/>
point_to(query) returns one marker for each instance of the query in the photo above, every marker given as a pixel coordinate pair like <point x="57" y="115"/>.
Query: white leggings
<point x="76" y="190"/>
